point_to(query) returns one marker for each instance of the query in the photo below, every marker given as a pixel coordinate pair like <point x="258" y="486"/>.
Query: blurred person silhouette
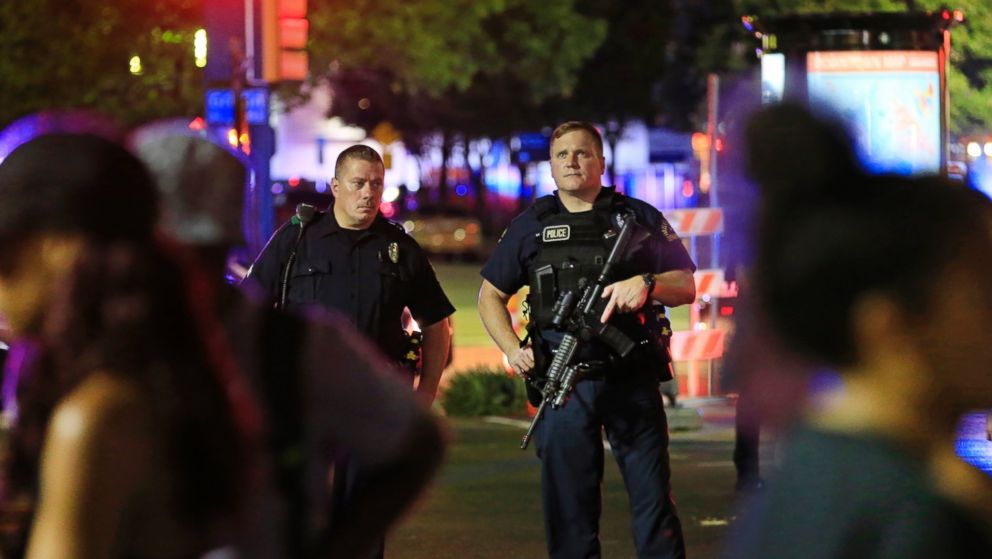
<point x="21" y="130"/>
<point x="133" y="436"/>
<point x="882" y="279"/>
<point x="315" y="376"/>
<point x="771" y="382"/>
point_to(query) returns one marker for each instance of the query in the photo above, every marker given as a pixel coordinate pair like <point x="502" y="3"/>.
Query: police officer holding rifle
<point x="601" y="267"/>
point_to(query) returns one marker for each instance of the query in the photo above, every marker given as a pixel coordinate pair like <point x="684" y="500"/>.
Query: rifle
<point x="581" y="323"/>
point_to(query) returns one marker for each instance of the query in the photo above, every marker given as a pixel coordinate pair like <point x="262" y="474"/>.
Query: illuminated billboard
<point x="772" y="77"/>
<point x="889" y="99"/>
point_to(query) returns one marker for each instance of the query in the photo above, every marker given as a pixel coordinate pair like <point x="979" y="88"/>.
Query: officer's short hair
<point x="574" y="125"/>
<point x="357" y="151"/>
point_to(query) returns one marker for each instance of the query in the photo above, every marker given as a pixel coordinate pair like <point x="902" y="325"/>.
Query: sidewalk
<point x="710" y="419"/>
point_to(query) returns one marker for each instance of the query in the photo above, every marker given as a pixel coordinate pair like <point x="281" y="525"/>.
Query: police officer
<point x="565" y="231"/>
<point x="354" y="261"/>
<point x="308" y="405"/>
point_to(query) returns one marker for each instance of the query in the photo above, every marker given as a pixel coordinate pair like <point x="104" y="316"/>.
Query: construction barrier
<point x="712" y="283"/>
<point x="697" y="345"/>
<point x="698" y="348"/>
<point x="696" y="222"/>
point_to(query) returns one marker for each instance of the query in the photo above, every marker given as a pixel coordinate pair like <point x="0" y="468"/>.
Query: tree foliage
<point x="466" y="66"/>
<point x="76" y="53"/>
<point x="970" y="76"/>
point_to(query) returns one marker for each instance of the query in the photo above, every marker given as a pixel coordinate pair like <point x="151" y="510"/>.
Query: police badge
<point x="394" y="253"/>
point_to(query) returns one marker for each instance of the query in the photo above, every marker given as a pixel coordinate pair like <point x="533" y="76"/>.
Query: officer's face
<point x="357" y="193"/>
<point x="576" y="162"/>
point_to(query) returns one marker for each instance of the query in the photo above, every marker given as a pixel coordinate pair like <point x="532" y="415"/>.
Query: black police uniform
<point x="624" y="398"/>
<point x="368" y="275"/>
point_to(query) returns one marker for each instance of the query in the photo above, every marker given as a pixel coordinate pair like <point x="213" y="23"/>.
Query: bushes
<point x="484" y="391"/>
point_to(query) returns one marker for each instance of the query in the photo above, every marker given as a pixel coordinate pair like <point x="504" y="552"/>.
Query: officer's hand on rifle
<point x="522" y="360"/>
<point x="625" y="296"/>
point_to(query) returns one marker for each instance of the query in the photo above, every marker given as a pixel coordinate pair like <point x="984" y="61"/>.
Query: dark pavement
<point x="486" y="503"/>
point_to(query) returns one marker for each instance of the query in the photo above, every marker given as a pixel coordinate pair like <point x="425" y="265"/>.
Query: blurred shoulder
<point x="104" y="409"/>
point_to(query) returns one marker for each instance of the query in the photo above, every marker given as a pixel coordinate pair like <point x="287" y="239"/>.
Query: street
<point x="486" y="503"/>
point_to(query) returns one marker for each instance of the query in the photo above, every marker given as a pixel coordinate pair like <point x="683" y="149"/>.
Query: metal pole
<point x="712" y="130"/>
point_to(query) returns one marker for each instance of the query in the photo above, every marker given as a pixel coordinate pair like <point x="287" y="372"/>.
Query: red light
<point x="388" y="209"/>
<point x="727" y="311"/>
<point x="687" y="188"/>
<point x="719" y="144"/>
<point x="294" y="182"/>
<point x="197" y="124"/>
<point x="945" y="14"/>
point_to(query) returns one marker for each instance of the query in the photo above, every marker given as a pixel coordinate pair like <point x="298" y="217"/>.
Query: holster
<point x="654" y="352"/>
<point x="413" y="355"/>
<point x="542" y="360"/>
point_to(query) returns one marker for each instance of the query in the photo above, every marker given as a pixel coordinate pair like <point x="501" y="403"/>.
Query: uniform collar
<point x="329" y="225"/>
<point x="604" y="200"/>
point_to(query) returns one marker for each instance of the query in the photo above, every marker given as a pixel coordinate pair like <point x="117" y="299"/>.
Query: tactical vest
<point x="575" y="246"/>
<point x="570" y="247"/>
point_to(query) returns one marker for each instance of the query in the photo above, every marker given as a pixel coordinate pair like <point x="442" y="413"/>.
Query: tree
<point x="646" y="69"/>
<point x="461" y="69"/>
<point x="441" y="64"/>
<point x="76" y="53"/>
<point x="970" y="74"/>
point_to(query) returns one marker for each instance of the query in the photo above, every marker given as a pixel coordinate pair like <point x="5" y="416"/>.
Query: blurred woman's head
<point x="852" y="268"/>
<point x="57" y="192"/>
<point x="82" y="272"/>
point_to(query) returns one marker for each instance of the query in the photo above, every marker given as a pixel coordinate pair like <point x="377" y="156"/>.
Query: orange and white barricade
<point x="696" y="222"/>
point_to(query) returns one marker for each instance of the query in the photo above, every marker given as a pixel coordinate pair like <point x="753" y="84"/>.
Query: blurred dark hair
<point x="125" y="311"/>
<point x="75" y="182"/>
<point x="130" y="308"/>
<point x="828" y="233"/>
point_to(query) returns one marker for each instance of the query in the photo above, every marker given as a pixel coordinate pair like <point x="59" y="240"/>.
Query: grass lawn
<point x="461" y="283"/>
<point x="486" y="503"/>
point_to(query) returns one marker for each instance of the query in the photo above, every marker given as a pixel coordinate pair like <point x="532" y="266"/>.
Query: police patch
<point x="394" y="253"/>
<point x="556" y="233"/>
<point x="667" y="232"/>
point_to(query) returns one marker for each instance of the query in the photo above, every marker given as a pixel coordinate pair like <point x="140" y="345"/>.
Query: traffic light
<point x="285" y="30"/>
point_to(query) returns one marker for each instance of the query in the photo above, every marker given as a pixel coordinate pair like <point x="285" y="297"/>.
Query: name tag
<point x="556" y="233"/>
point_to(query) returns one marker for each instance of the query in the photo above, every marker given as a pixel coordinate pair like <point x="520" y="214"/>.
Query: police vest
<point x="575" y="246"/>
<point x="570" y="247"/>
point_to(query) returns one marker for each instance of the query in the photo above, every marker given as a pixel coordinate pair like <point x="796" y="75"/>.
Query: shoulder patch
<point x="667" y="231"/>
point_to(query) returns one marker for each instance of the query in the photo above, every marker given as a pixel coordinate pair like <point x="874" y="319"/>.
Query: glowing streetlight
<point x="200" y="48"/>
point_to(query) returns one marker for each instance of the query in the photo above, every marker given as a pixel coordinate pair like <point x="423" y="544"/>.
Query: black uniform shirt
<point x="369" y="276"/>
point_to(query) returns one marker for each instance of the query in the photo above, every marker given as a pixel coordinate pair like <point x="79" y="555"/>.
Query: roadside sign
<point x="220" y="106"/>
